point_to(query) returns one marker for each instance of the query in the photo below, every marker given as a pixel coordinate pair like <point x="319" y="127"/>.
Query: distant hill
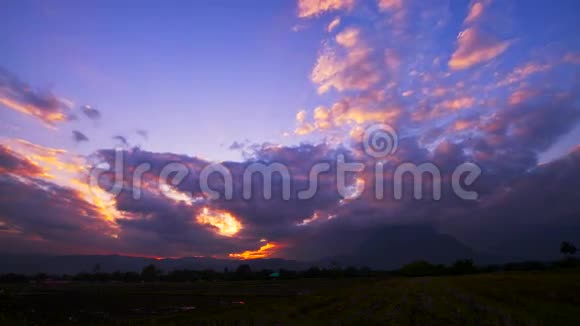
<point x="394" y="246"/>
<point x="386" y="248"/>
<point x="73" y="264"/>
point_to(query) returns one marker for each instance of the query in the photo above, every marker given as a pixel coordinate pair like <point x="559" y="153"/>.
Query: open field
<point x="510" y="298"/>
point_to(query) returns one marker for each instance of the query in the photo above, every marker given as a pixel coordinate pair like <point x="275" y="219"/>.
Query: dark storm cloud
<point x="62" y="220"/>
<point x="176" y="228"/>
<point x="255" y="211"/>
<point x="498" y="114"/>
<point x="534" y="124"/>
<point x="506" y="153"/>
<point x="58" y="217"/>
<point x="515" y="193"/>
<point x="530" y="216"/>
<point x="158" y="225"/>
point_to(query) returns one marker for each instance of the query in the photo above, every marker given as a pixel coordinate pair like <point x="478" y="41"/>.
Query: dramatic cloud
<point x="380" y="62"/>
<point x="263" y="252"/>
<point x="60" y="217"/>
<point x="21" y="97"/>
<point x="12" y="162"/>
<point x="225" y="223"/>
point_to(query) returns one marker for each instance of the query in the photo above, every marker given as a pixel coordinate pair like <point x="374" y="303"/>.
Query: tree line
<point x="151" y="273"/>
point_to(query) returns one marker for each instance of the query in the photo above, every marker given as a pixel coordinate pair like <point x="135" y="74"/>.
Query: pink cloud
<point x="311" y="8"/>
<point x="475" y="12"/>
<point x="458" y="103"/>
<point x="333" y="24"/>
<point x="349" y="37"/>
<point x="21" y="97"/>
<point x="390" y="4"/>
<point x="572" y="57"/>
<point x="522" y="72"/>
<point x="475" y="47"/>
<point x="349" y="67"/>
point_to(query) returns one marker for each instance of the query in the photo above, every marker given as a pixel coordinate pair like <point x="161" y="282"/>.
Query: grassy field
<point x="510" y="298"/>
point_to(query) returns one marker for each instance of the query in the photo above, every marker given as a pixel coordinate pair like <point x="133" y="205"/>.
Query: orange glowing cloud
<point x="56" y="164"/>
<point x="265" y="251"/>
<point x="311" y="8"/>
<point x="21" y="97"/>
<point x="224" y="222"/>
<point x="348" y="67"/>
<point x="349" y="37"/>
<point x="13" y="163"/>
<point x="67" y="170"/>
<point x="303" y="128"/>
<point x="458" y="103"/>
<point x="341" y="114"/>
<point x="461" y="125"/>
<point x="520" y="96"/>
<point x="176" y="195"/>
<point x="104" y="203"/>
<point x="48" y="117"/>
<point x="474" y="47"/>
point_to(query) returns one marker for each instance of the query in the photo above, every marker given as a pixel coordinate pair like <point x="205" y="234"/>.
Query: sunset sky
<point x="496" y="83"/>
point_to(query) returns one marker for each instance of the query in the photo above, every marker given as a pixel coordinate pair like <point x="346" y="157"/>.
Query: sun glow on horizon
<point x="265" y="251"/>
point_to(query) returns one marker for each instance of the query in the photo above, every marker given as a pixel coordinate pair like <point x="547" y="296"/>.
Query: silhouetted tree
<point x="463" y="266"/>
<point x="243" y="271"/>
<point x="150" y="273"/>
<point x="351" y="271"/>
<point x="131" y="277"/>
<point x="313" y="271"/>
<point x="567" y="248"/>
<point x="421" y="268"/>
<point x="182" y="276"/>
